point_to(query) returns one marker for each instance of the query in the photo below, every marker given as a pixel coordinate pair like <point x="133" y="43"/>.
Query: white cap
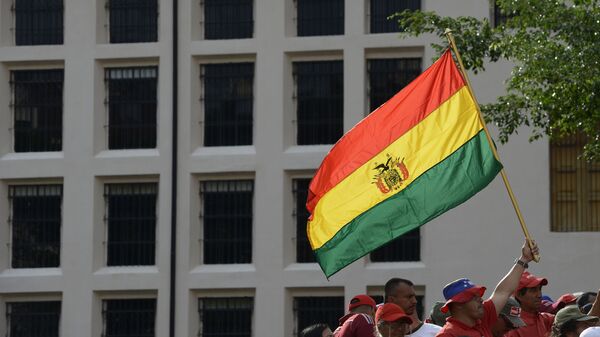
<point x="591" y="332"/>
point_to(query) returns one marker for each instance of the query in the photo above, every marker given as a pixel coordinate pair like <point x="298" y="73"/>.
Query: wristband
<point x="521" y="263"/>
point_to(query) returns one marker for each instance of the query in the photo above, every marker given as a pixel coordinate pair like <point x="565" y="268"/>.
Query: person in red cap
<point x="470" y="315"/>
<point x="392" y="321"/>
<point x="529" y="295"/>
<point x="359" y="320"/>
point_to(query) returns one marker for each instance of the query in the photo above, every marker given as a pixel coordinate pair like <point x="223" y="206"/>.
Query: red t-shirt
<point x="538" y="325"/>
<point x="483" y="327"/>
<point x="355" y="325"/>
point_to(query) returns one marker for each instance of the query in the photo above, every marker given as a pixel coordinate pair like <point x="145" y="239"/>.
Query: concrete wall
<point x="479" y="239"/>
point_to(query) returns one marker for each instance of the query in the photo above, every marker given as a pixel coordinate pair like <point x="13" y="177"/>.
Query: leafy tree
<point x="554" y="87"/>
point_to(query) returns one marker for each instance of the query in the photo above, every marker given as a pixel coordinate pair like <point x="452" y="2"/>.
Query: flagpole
<point x="448" y="33"/>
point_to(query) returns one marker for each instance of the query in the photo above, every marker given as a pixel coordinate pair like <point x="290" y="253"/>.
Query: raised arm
<point x="509" y="283"/>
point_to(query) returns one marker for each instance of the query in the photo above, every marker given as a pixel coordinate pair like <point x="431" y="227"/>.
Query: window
<point x="227" y="220"/>
<point x="228" y="101"/>
<point x="33" y="319"/>
<point x="133" y="20"/>
<point x="131" y="223"/>
<point x="404" y="248"/>
<point x="131" y="107"/>
<point x="37" y="102"/>
<point x="312" y="310"/>
<point x="225" y="316"/>
<point x="35" y="221"/>
<point x="319" y="94"/>
<point x="304" y="251"/>
<point x="320" y="17"/>
<point x="228" y="19"/>
<point x="38" y="22"/>
<point x="499" y="16"/>
<point x="388" y="76"/>
<point x="382" y="9"/>
<point x="574" y="187"/>
<point x="129" y="318"/>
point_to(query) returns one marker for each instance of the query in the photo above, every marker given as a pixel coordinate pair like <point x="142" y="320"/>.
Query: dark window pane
<point x="404" y="248"/>
<point x="36" y="220"/>
<point x="228" y="103"/>
<point x="500" y="17"/>
<point x="227" y="221"/>
<point x="388" y="76"/>
<point x="228" y="19"/>
<point x="320" y="17"/>
<point x="131" y="107"/>
<point x="225" y="317"/>
<point x="129" y="318"/>
<point x="320" y="101"/>
<point x="33" y="319"/>
<point x="133" y="20"/>
<point x="131" y="220"/>
<point x="304" y="252"/>
<point x="313" y="310"/>
<point x="38" y="22"/>
<point x="382" y="9"/>
<point x="38" y="107"/>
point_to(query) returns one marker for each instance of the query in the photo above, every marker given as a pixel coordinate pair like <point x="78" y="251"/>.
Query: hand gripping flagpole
<point x="448" y="33"/>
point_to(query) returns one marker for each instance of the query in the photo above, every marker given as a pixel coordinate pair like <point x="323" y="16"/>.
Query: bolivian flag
<point x="418" y="155"/>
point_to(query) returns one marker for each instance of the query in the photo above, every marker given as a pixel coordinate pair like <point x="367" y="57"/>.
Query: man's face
<point x="393" y="329"/>
<point x="502" y="326"/>
<point x="531" y="300"/>
<point x="405" y="298"/>
<point x="474" y="308"/>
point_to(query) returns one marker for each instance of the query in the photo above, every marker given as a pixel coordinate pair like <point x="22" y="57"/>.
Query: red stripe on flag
<point x="386" y="124"/>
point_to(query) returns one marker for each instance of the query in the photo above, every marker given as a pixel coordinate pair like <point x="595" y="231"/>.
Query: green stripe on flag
<point x="446" y="185"/>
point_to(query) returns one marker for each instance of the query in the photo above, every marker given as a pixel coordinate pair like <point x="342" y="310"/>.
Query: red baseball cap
<point x="529" y="280"/>
<point x="390" y="312"/>
<point x="460" y="291"/>
<point x="563" y="301"/>
<point x="359" y="300"/>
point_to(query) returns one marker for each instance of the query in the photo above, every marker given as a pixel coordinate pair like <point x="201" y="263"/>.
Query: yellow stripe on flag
<point x="445" y="130"/>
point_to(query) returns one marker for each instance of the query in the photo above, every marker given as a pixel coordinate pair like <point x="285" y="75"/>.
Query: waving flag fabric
<point x="418" y="155"/>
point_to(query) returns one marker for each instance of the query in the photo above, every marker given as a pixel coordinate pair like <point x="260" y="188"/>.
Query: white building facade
<point x="262" y="90"/>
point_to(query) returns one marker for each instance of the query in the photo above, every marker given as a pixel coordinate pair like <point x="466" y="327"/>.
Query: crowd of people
<point x="516" y="308"/>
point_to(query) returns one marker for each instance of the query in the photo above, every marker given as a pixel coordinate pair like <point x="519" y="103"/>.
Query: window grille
<point x="228" y="19"/>
<point x="313" y="310"/>
<point x="228" y="103"/>
<point x="38" y="22"/>
<point x="227" y="221"/>
<point x="35" y="221"/>
<point x="319" y="95"/>
<point x="320" y="17"/>
<point x="382" y="9"/>
<point x="131" y="223"/>
<point x="133" y="20"/>
<point x="37" y="103"/>
<point x="420" y="306"/>
<point x="388" y="76"/>
<point x="304" y="252"/>
<point x="33" y="319"/>
<point x="404" y="248"/>
<point x="225" y="316"/>
<point x="574" y="187"/>
<point x="131" y="102"/>
<point x="499" y="16"/>
<point x="129" y="318"/>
